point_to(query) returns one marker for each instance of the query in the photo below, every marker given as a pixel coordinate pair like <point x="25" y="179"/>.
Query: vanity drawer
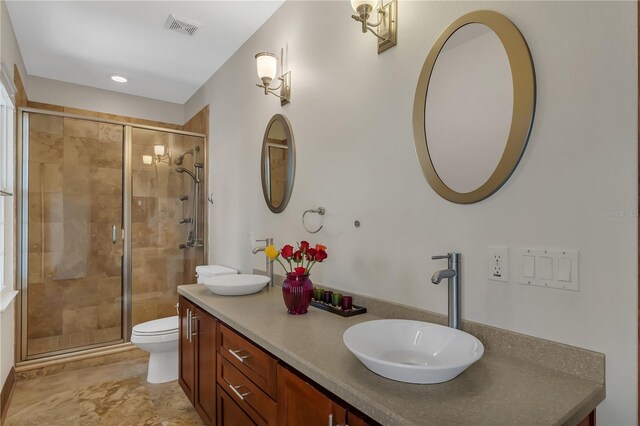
<point x="252" y="361"/>
<point x="228" y="412"/>
<point x="257" y="404"/>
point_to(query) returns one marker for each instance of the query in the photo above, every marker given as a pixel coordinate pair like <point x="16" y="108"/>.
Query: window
<point x="7" y="186"/>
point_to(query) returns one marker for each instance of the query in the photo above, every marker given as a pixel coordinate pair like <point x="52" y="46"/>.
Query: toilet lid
<point x="159" y="326"/>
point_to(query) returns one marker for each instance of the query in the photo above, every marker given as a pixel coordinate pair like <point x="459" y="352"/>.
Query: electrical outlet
<point x="498" y="263"/>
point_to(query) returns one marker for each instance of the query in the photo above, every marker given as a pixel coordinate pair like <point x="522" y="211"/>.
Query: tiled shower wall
<point x="159" y="265"/>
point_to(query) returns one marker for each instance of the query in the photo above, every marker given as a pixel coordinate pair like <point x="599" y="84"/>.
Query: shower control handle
<point x="113" y="233"/>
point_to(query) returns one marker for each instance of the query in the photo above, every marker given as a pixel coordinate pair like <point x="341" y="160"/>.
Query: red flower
<point x="321" y="255"/>
<point x="304" y="245"/>
<point x="297" y="256"/>
<point x="311" y="253"/>
<point x="287" y="252"/>
<point x="300" y="271"/>
<point x="320" y="247"/>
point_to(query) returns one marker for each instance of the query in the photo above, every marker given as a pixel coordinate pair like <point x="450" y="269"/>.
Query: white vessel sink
<point x="413" y="351"/>
<point x="236" y="285"/>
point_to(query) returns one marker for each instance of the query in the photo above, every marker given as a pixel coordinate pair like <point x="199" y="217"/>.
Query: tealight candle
<point x="336" y="299"/>
<point x="347" y="303"/>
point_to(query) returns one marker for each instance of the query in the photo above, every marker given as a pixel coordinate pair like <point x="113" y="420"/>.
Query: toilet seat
<point x="159" y="327"/>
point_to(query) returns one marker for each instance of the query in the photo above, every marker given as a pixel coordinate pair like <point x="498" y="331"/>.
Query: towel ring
<point x="320" y="211"/>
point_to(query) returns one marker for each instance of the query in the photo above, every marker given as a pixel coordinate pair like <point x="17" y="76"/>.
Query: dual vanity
<point x="245" y="361"/>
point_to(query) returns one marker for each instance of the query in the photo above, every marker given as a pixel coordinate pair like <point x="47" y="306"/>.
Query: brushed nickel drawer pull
<point x="240" y="395"/>
<point x="188" y="325"/>
<point x="194" y="331"/>
<point x="240" y="358"/>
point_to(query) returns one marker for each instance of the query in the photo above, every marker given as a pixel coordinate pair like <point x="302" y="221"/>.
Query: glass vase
<point x="297" y="291"/>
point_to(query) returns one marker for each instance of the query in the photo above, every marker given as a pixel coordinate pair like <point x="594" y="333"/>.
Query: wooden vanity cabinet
<point x="300" y="403"/>
<point x="197" y="359"/>
<point x="186" y="350"/>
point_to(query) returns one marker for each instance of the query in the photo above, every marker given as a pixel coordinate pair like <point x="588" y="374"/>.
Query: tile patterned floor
<point x="110" y="395"/>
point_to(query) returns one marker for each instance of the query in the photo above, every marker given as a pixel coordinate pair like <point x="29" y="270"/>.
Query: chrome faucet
<point x="267" y="242"/>
<point x="453" y="275"/>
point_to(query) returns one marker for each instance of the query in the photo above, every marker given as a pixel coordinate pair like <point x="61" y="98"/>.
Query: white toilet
<point x="160" y="337"/>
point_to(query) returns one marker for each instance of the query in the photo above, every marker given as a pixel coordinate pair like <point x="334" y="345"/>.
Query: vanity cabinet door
<point x="205" y="355"/>
<point x="186" y="351"/>
<point x="229" y="414"/>
<point x="356" y="419"/>
<point x="300" y="403"/>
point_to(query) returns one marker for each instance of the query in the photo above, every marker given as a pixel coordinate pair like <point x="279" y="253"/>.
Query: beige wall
<point x="71" y="95"/>
<point x="351" y="116"/>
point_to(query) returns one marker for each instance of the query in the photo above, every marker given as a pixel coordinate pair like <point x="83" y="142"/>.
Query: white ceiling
<point x="84" y="42"/>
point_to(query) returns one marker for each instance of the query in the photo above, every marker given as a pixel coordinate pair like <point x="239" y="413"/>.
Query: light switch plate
<point x="554" y="268"/>
<point x="498" y="263"/>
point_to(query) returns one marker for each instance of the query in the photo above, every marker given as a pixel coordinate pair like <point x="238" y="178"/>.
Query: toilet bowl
<point x="160" y="337"/>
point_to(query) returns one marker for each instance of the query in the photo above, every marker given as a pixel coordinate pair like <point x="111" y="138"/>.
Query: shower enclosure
<point x="111" y="222"/>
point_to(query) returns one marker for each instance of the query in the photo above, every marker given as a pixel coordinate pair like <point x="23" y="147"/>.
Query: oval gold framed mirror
<point x="278" y="163"/>
<point x="474" y="107"/>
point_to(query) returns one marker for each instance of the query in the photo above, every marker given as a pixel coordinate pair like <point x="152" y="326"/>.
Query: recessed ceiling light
<point x="118" y="78"/>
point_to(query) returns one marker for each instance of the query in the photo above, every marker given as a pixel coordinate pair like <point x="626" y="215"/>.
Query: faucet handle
<point x="443" y="256"/>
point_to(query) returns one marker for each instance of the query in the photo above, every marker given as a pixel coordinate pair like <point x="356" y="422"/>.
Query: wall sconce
<point x="386" y="29"/>
<point x="266" y="63"/>
<point x="158" y="157"/>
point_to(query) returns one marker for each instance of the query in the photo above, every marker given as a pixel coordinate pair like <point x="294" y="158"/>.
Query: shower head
<point x="178" y="161"/>
<point x="189" y="172"/>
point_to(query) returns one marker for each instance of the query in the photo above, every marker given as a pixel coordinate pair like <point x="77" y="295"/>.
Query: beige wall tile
<point x="113" y="133"/>
<point x="45" y="147"/>
<point x="83" y="112"/>
<point x="144" y="310"/>
<point x="52" y="178"/>
<point x="46" y="124"/>
<point x="48" y="206"/>
<point x="45" y="310"/>
<point x="109" y="315"/>
<point x="80" y="128"/>
<point x="107" y="154"/>
<point x="78" y="151"/>
<point x="53" y="236"/>
<point x="109" y="290"/>
<point x="81" y="319"/>
<point x="76" y="179"/>
<point x="106" y="180"/>
<point x="36" y="266"/>
<point x="79" y="293"/>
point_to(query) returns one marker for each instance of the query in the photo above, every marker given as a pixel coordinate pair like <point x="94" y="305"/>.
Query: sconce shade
<point x="355" y="4"/>
<point x="147" y="159"/>
<point x="266" y="63"/>
<point x="158" y="149"/>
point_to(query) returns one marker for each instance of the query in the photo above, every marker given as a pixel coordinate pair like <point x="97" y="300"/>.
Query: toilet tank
<point x="207" y="271"/>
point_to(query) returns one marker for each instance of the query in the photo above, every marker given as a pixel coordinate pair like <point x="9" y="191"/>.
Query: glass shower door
<point x="74" y="180"/>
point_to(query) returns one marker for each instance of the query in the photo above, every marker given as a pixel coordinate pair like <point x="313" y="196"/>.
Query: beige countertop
<point x="498" y="389"/>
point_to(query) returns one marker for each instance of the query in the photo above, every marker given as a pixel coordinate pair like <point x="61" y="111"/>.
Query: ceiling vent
<point x="182" y="25"/>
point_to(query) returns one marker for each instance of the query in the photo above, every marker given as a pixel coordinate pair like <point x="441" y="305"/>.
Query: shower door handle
<point x="113" y="233"/>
